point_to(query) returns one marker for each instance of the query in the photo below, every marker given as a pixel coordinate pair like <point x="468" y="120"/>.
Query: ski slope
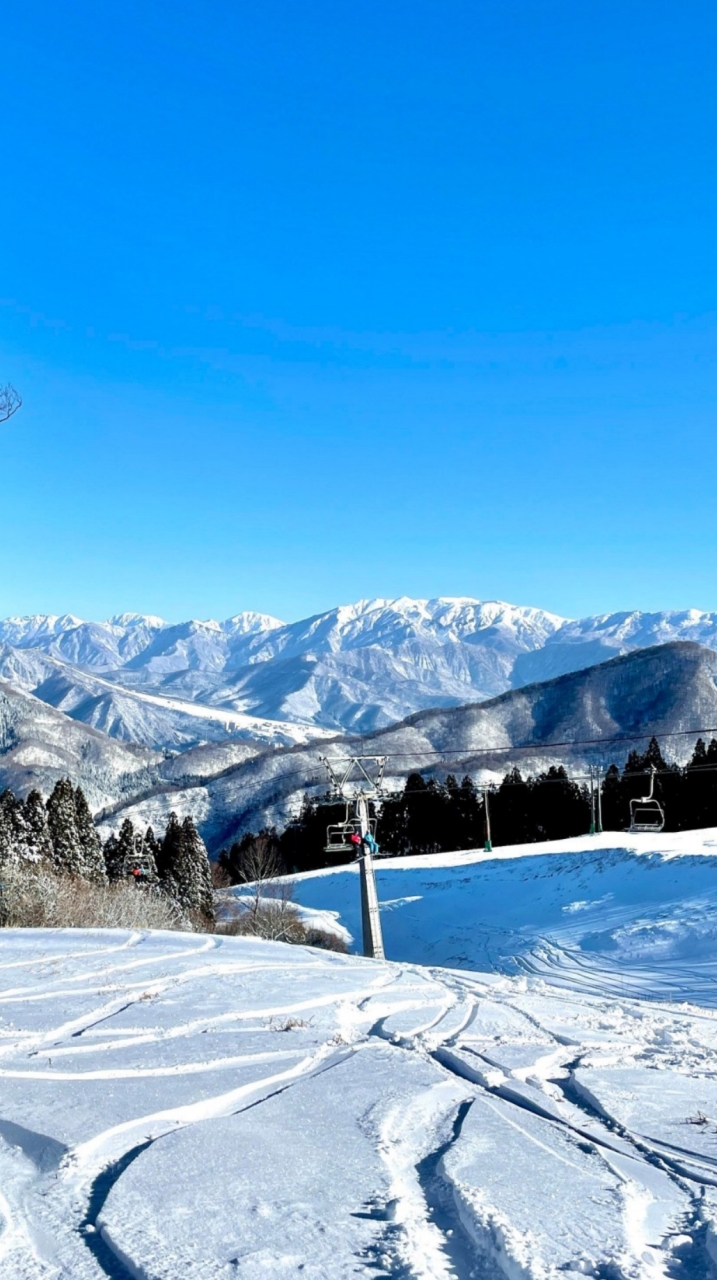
<point x="541" y="1103"/>
<point x="607" y="913"/>
<point x="206" y="1107"/>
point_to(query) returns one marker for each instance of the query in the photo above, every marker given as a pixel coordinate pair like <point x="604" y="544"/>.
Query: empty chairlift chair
<point x="647" y="814"/>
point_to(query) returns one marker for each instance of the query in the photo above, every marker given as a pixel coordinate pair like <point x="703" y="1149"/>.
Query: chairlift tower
<point x="353" y="783"/>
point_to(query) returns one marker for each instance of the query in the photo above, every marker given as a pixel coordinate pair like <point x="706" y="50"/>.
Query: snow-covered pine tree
<point x="169" y="850"/>
<point x="184" y="867"/>
<point x="119" y="855"/>
<point x="109" y="851"/>
<point x="152" y="847"/>
<point x="67" y="851"/>
<point x="7" y="841"/>
<point x="21" y="833"/>
<point x="195" y="855"/>
<point x="39" y="831"/>
<point x="93" y="863"/>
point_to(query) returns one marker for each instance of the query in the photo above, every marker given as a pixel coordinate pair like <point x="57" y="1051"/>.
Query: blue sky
<point x="310" y="302"/>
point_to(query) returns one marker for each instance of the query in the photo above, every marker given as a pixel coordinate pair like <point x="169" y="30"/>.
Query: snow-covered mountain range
<point x="356" y="668"/>
<point x="666" y="690"/>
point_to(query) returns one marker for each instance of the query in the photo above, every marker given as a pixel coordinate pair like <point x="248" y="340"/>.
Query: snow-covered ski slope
<point x="544" y="1103"/>
<point x="610" y="912"/>
<point x="206" y="1108"/>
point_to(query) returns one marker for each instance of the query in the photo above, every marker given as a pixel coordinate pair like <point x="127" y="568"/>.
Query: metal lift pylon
<point x="344" y="772"/>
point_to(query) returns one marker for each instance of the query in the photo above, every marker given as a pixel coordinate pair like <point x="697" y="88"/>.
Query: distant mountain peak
<point x="136" y="619"/>
<point x="250" y="623"/>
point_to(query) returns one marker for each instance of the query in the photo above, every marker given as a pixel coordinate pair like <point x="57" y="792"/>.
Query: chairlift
<point x="338" y="834"/>
<point x="139" y="869"/>
<point x="646" y="813"/>
<point x="139" y="866"/>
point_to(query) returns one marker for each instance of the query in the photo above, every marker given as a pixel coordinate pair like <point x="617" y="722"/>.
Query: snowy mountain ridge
<point x="356" y="668"/>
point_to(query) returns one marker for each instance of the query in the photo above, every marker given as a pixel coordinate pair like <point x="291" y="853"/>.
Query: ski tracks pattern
<point x="261" y="1019"/>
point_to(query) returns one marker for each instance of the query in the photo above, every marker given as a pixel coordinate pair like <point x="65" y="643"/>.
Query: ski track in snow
<point x="390" y="1120"/>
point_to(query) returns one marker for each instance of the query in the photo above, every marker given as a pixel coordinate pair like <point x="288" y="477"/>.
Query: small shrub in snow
<point x="278" y="921"/>
<point x="41" y="897"/>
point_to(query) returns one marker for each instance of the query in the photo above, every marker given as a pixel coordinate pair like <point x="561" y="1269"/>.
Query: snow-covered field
<point x="609" y="912"/>
<point x="206" y="1107"/>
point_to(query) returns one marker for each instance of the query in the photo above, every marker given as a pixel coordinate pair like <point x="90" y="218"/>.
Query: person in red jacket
<point x="355" y="840"/>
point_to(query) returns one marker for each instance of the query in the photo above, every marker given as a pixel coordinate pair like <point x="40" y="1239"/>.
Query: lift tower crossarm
<point x="341" y="768"/>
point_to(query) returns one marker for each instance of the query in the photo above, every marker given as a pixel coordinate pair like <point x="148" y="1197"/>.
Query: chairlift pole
<point x="367" y="771"/>
<point x="488" y="847"/>
<point x="599" y="802"/>
<point x="370" y="915"/>
<point x="592" y="802"/>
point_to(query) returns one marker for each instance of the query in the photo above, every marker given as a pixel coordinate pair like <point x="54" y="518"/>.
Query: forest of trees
<point x="59" y="834"/>
<point x="429" y="816"/>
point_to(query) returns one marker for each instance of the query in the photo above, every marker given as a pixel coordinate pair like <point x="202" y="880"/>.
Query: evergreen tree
<point x="169" y="850"/>
<point x="511" y="811"/>
<point x="149" y="853"/>
<point x="560" y="807"/>
<point x="109" y="851"/>
<point x="38" y="829"/>
<point x="185" y="869"/>
<point x="151" y="847"/>
<point x="119" y="855"/>
<point x="67" y="849"/>
<point x="7" y="842"/>
<point x="700" y="786"/>
<point x="93" y="864"/>
<point x="615" y="807"/>
<point x="18" y="838"/>
<point x="470" y="815"/>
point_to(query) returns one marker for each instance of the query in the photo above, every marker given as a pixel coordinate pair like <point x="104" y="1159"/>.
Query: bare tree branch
<point x="10" y="401"/>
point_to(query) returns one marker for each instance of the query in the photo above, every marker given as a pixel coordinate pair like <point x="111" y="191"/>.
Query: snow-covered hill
<point x="38" y="745"/>
<point x="665" y="690"/>
<point x="206" y="1107"/>
<point x="611" y="912"/>
<point x="136" y="715"/>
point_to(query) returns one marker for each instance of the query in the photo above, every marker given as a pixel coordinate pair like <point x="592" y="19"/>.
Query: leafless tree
<point x="10" y="401"/>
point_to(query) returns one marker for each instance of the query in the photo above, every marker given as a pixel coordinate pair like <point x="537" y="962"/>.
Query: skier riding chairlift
<point x="371" y="845"/>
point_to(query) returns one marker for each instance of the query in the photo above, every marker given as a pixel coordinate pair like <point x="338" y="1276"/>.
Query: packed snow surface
<point x="204" y="1107"/>
<point x="605" y="912"/>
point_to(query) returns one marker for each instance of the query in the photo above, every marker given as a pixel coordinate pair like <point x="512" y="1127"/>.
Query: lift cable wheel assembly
<point x="647" y="814"/>
<point x="355" y="781"/>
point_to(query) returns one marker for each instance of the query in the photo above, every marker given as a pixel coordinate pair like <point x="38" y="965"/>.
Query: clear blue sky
<point x="313" y="301"/>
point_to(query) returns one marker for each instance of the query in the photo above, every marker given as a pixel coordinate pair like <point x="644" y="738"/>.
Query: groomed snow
<point x="201" y="1107"/>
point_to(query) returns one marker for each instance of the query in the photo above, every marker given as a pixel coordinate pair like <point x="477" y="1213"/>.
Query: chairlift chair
<point x="646" y="813"/>
<point x="338" y="835"/>
<point x="139" y="867"/>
